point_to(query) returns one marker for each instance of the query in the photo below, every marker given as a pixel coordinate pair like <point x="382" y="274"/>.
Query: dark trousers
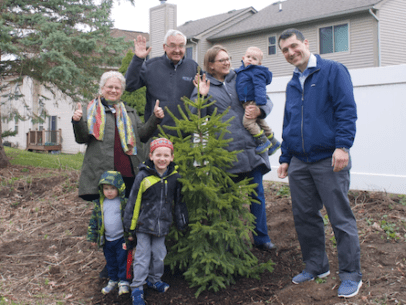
<point x="116" y="258"/>
<point x="313" y="185"/>
<point x="258" y="210"/>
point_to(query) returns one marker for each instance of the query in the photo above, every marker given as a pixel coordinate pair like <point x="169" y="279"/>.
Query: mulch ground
<point x="45" y="259"/>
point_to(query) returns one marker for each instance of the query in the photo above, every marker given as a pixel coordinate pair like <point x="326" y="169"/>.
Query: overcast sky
<point x="136" y="18"/>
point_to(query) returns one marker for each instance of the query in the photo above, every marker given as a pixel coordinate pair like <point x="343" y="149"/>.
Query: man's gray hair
<point x="111" y="74"/>
<point x="174" y="33"/>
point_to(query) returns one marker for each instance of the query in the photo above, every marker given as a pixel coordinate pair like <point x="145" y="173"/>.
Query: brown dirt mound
<point x="45" y="259"/>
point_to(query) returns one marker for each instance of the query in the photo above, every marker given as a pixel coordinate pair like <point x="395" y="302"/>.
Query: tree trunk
<point x="3" y="158"/>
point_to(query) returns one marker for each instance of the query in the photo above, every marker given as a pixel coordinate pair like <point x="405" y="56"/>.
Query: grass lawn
<point x="57" y="161"/>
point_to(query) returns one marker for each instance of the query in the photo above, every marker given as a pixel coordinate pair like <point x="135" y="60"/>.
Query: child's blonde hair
<point x="256" y="50"/>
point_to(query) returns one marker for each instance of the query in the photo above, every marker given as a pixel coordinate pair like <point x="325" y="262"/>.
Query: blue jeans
<point x="258" y="210"/>
<point x="116" y="258"/>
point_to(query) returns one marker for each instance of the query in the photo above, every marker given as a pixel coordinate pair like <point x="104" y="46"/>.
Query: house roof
<point x="128" y="35"/>
<point x="294" y="12"/>
<point x="195" y="27"/>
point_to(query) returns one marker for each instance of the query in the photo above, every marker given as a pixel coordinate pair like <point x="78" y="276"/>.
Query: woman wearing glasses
<point x="219" y="82"/>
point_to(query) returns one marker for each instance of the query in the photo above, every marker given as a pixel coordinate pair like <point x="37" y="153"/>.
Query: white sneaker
<point x="111" y="285"/>
<point x="123" y="287"/>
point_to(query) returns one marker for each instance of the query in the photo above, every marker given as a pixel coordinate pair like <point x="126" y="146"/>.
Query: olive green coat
<point x="99" y="155"/>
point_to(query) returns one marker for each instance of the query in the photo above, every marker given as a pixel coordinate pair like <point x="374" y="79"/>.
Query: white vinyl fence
<point x="379" y="151"/>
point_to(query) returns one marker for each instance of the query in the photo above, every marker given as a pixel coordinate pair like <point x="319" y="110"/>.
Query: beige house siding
<point x="362" y="47"/>
<point x="392" y="18"/>
<point x="162" y="18"/>
<point x="204" y="45"/>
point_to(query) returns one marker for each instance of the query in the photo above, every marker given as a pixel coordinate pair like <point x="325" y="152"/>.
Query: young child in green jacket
<point x="106" y="230"/>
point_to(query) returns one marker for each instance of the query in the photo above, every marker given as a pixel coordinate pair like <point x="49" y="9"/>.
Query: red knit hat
<point x="161" y="142"/>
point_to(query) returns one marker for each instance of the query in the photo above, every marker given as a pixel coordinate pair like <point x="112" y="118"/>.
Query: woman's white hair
<point x="111" y="74"/>
<point x="174" y="33"/>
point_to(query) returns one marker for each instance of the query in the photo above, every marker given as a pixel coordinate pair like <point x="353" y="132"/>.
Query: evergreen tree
<point x="62" y="45"/>
<point x="216" y="247"/>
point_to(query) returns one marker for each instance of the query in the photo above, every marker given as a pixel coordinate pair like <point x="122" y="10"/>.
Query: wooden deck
<point x="44" y="140"/>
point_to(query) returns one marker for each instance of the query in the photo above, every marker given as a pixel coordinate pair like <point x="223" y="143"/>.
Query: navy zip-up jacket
<point x="164" y="81"/>
<point x="251" y="83"/>
<point x="321" y="117"/>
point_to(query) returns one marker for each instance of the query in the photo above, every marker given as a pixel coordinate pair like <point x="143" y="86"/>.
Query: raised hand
<point x="158" y="111"/>
<point x="77" y="115"/>
<point x="201" y="83"/>
<point x="140" y="47"/>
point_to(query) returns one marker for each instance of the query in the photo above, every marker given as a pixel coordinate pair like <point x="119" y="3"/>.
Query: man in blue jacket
<point x="318" y="131"/>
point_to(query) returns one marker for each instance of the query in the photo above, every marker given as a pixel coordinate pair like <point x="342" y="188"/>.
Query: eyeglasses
<point x="223" y="60"/>
<point x="174" y="46"/>
<point x="113" y="87"/>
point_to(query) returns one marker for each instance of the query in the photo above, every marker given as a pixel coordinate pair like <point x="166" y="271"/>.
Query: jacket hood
<point x="113" y="178"/>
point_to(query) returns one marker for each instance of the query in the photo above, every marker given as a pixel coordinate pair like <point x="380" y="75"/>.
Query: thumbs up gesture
<point x="158" y="111"/>
<point x="77" y="115"/>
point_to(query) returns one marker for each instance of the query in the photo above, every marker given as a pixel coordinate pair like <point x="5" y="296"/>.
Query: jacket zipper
<point x="302" y="124"/>
<point x="160" y="207"/>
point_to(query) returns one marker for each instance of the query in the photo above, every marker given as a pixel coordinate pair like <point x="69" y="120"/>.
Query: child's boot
<point x="275" y="145"/>
<point x="111" y="285"/>
<point x="262" y="143"/>
<point x="123" y="287"/>
<point x="137" y="296"/>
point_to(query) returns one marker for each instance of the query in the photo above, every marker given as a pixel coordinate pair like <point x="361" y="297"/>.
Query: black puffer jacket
<point x="152" y="201"/>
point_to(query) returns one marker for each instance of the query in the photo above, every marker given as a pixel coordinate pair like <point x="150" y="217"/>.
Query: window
<point x="272" y="45"/>
<point x="52" y="128"/>
<point x="16" y="125"/>
<point x="189" y="52"/>
<point x="334" y="39"/>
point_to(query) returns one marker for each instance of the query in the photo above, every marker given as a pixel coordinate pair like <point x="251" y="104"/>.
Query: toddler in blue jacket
<point x="252" y="79"/>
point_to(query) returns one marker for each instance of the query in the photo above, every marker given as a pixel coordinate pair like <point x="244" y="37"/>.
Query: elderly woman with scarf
<point x="113" y="133"/>
<point x="219" y="83"/>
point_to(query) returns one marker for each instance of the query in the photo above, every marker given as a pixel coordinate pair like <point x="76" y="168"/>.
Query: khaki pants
<point x="254" y="126"/>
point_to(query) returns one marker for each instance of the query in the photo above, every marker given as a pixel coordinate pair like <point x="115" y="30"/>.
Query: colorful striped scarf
<point x="96" y="122"/>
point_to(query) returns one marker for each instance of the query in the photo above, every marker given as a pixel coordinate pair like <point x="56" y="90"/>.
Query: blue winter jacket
<point x="251" y="83"/>
<point x="321" y="117"/>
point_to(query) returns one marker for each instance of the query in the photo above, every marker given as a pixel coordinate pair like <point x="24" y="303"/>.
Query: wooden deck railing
<point x="44" y="140"/>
